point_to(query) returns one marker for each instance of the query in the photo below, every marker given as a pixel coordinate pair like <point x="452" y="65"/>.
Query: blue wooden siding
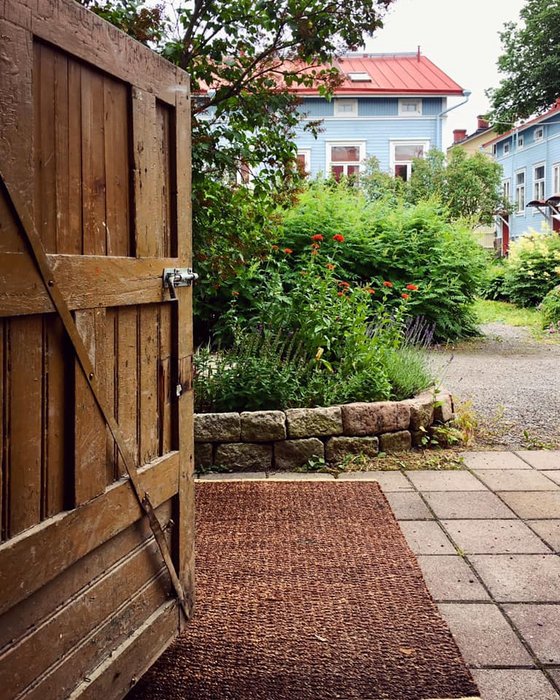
<point x="531" y="154"/>
<point x="377" y="132"/>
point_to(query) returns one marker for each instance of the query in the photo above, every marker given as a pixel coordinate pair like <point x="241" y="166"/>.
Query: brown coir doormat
<point x="306" y="591"/>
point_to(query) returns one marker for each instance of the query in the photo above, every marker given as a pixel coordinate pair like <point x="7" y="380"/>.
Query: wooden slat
<point x="148" y="352"/>
<point x="10" y="239"/>
<point x="117" y="167"/>
<point x="34" y="558"/>
<point x="86" y="282"/>
<point x="3" y="403"/>
<point x="93" y="164"/>
<point x="186" y="525"/>
<point x="56" y="419"/>
<point x="72" y="242"/>
<point x="166" y="395"/>
<point x="132" y="658"/>
<point x="127" y="380"/>
<point x="66" y="675"/>
<point x="25" y="436"/>
<point x="61" y="141"/>
<point x="106" y="364"/>
<point x="19" y="621"/>
<point x="56" y="636"/>
<point x="90" y="476"/>
<point x="146" y="219"/>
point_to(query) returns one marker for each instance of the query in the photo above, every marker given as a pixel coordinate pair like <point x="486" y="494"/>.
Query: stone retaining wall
<point x="284" y="440"/>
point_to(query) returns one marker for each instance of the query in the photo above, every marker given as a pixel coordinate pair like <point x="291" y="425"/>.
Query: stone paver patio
<point x="487" y="539"/>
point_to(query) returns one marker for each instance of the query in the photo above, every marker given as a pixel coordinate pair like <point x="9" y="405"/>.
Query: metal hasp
<point x="178" y="277"/>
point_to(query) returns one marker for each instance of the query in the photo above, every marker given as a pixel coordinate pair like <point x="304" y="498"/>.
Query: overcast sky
<point x="460" y="37"/>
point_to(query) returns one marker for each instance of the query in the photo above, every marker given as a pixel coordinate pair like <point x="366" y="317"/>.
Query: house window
<point x="403" y="154"/>
<point x="410" y="107"/>
<point x="556" y="178"/>
<point x="303" y="161"/>
<point x="520" y="191"/>
<point x="506" y="191"/>
<point x="520" y="141"/>
<point x="344" y="159"/>
<point x="506" y="149"/>
<point x="494" y="149"/>
<point x="346" y="108"/>
<point x="538" y="181"/>
<point x="539" y="134"/>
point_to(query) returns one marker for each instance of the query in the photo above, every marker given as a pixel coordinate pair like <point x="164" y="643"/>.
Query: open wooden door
<point x="94" y="205"/>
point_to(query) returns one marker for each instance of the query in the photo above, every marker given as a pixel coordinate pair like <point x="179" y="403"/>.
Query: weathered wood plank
<point x="3" y="404"/>
<point x="133" y="657"/>
<point x="72" y="243"/>
<point x="19" y="621"/>
<point x="86" y="281"/>
<point x="117" y="167"/>
<point x="25" y="438"/>
<point x="166" y="395"/>
<point x="32" y="559"/>
<point x="106" y="364"/>
<point x="61" y="141"/>
<point x="60" y="633"/>
<point x="66" y="675"/>
<point x="144" y="132"/>
<point x="148" y="351"/>
<point x="89" y="426"/>
<point x="127" y="380"/>
<point x="93" y="164"/>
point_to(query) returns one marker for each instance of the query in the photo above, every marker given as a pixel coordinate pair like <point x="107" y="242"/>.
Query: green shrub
<point x="407" y="371"/>
<point x="550" y="308"/>
<point x="493" y="284"/>
<point x="387" y="240"/>
<point x="533" y="267"/>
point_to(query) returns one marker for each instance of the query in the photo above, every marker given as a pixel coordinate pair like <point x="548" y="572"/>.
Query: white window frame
<point x="520" y="141"/>
<point x="539" y="183"/>
<point x="346" y="142"/>
<point x="345" y="107"/>
<point x="506" y="190"/>
<point x="539" y="134"/>
<point x="506" y="149"/>
<point x="518" y="189"/>
<point x="306" y="153"/>
<point x="410" y="113"/>
<point x="405" y="142"/>
<point x="556" y="178"/>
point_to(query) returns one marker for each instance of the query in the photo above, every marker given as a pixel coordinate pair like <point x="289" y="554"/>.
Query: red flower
<point x="329" y="266"/>
<point x="344" y="284"/>
<point x="387" y="284"/>
<point x="404" y="295"/>
<point x="369" y="290"/>
<point x="274" y="247"/>
<point x="288" y="251"/>
<point x="340" y="294"/>
<point x="412" y="287"/>
<point x="314" y="252"/>
<point x="317" y="237"/>
<point x="315" y="246"/>
<point x="338" y="238"/>
<point x="235" y="294"/>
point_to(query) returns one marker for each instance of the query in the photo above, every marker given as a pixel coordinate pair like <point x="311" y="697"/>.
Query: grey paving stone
<point x="541" y="459"/>
<point x="407" y="505"/>
<point x="232" y="476"/>
<point x="515" y="480"/>
<point x="493" y="460"/>
<point x="427" y="480"/>
<point x="554" y="475"/>
<point x="494" y="537"/>
<point x="513" y="684"/>
<point x="533" y="505"/>
<point x="389" y="481"/>
<point x="540" y="628"/>
<point x="450" y="578"/>
<point x="531" y="578"/>
<point x="549" y="530"/>
<point x="555" y="673"/>
<point x="483" y="635"/>
<point x="426" y="537"/>
<point x="467" y="504"/>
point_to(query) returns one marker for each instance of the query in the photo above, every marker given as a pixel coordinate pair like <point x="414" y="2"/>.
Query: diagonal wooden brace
<point x="29" y="232"/>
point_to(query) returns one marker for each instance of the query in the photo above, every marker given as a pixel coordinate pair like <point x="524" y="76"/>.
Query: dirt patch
<point x="512" y="382"/>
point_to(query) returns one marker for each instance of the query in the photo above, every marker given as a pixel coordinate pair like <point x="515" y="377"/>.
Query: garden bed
<point x="290" y="439"/>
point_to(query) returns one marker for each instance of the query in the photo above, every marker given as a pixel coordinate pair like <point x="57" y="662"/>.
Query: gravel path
<point x="513" y="382"/>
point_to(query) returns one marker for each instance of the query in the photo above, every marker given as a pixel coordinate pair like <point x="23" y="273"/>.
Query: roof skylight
<point x="359" y="77"/>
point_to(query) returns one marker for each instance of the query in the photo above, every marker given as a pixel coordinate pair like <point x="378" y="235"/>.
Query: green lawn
<point x="503" y="312"/>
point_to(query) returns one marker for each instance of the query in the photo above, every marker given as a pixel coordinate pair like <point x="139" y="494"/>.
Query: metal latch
<point x="178" y="277"/>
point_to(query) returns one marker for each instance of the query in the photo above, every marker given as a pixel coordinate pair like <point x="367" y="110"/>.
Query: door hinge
<point x="174" y="277"/>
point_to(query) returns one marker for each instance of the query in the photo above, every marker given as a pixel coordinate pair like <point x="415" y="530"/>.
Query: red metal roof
<point x="391" y="74"/>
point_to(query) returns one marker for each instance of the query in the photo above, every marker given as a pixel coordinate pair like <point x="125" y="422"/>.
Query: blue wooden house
<point x="392" y="107"/>
<point x="530" y="160"/>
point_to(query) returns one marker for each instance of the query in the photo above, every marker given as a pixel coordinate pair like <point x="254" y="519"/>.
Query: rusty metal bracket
<point x="30" y="234"/>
